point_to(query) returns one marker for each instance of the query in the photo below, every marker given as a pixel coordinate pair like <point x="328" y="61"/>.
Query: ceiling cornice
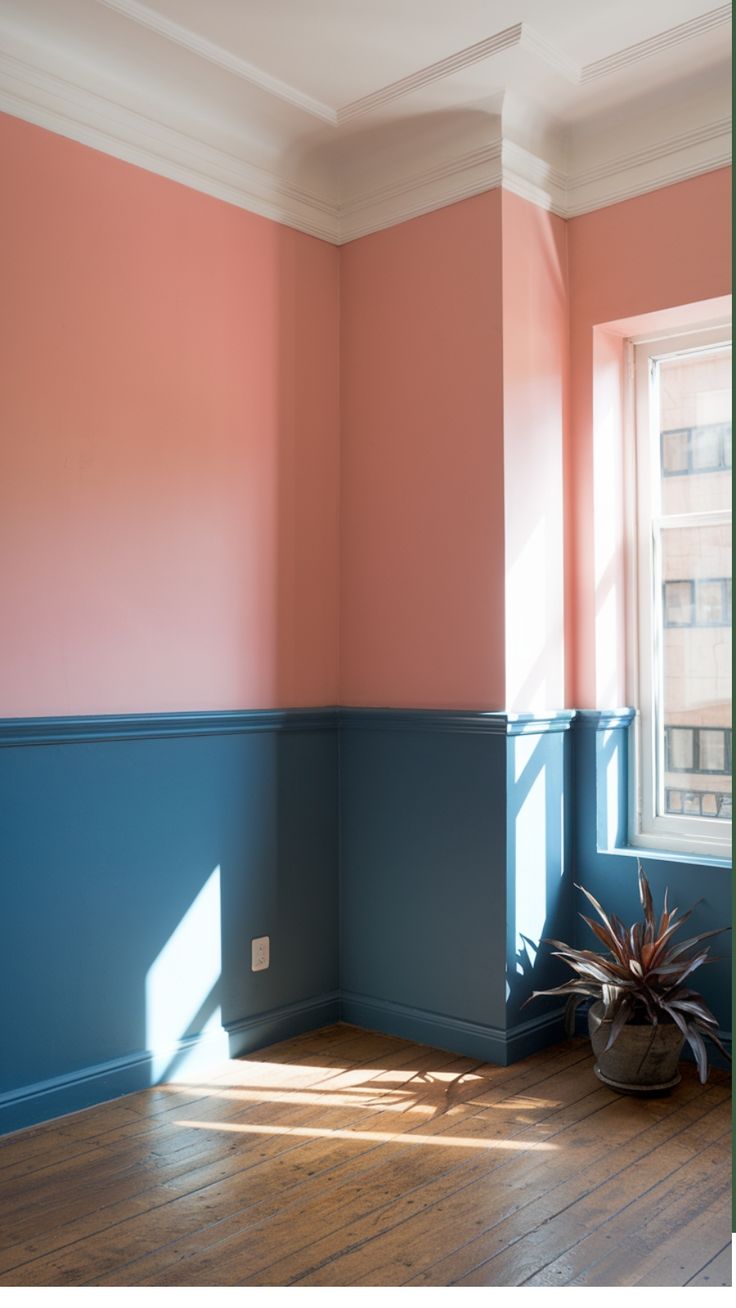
<point x="456" y="178"/>
<point x="215" y="54"/>
<point x="520" y="35"/>
<point x="674" y="159"/>
<point x="44" y="90"/>
<point x="454" y="63"/>
<point x="50" y="101"/>
<point x="673" y="36"/>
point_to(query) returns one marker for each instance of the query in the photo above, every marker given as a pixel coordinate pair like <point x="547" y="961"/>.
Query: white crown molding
<point x="215" y="54"/>
<point x="507" y="39"/>
<point x="675" y="159"/>
<point x="519" y="35"/>
<point x="49" y="98"/>
<point x="447" y="182"/>
<point x="534" y="179"/>
<point x="673" y="36"/>
<point x="50" y="101"/>
<point x="549" y="54"/>
<point x="454" y="63"/>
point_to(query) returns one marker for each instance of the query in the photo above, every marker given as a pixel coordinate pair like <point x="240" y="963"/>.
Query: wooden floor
<point x="348" y="1158"/>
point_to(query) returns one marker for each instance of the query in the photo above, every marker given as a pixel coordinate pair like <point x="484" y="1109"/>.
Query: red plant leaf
<point x="618" y="1021"/>
<point x="611" y="942"/>
<point x="605" y="919"/>
<point x="695" y="1041"/>
<point x="645" y="895"/>
<point x="684" y="945"/>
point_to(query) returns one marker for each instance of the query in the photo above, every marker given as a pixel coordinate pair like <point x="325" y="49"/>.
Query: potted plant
<point x="643" y="1012"/>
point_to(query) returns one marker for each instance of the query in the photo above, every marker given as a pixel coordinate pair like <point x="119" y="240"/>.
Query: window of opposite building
<point x="681" y="666"/>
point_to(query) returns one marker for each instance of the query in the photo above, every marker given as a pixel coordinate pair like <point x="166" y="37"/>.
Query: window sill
<point x="669" y="856"/>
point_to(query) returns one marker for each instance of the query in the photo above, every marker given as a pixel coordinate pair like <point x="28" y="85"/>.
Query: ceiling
<point x="339" y="117"/>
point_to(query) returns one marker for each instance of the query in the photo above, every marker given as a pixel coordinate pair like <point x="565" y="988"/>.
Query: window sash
<point x="650" y="824"/>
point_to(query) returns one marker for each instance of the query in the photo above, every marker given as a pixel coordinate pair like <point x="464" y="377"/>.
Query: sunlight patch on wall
<point x="530" y="879"/>
<point x="181" y="985"/>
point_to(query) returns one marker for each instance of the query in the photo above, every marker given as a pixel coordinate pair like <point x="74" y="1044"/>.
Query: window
<point x="698" y="602"/>
<point x="681" y="610"/>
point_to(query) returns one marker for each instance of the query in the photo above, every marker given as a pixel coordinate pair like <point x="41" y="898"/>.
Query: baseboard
<point x="475" y="1040"/>
<point x="58" y="1096"/>
<point x="281" y="1023"/>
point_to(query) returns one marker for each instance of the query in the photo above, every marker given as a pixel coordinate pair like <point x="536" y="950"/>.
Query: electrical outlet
<point x="260" y="954"/>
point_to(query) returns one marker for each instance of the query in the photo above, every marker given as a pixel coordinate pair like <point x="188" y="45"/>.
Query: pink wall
<point x="422" y="596"/>
<point x="169" y="409"/>
<point x="535" y="376"/>
<point x="222" y="472"/>
<point x="669" y="247"/>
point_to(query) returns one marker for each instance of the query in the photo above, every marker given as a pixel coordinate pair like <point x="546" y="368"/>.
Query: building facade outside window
<point x="681" y="660"/>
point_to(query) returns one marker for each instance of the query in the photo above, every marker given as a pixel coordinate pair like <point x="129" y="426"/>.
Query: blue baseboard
<point x="474" y="1040"/>
<point x="294" y="1019"/>
<point x="88" y="1086"/>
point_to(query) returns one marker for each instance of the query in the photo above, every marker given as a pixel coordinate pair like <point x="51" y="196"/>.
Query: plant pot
<point x="643" y="1058"/>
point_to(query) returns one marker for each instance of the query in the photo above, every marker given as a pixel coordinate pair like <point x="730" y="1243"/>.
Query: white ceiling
<point x="342" y="116"/>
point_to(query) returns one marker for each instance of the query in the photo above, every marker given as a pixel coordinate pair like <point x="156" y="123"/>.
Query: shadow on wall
<point x="539" y="869"/>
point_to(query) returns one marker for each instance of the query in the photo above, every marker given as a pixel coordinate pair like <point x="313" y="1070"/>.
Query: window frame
<point x="645" y="609"/>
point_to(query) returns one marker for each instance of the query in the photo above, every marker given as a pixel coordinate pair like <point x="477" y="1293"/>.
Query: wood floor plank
<point x="625" y="1134"/>
<point x="159" y="1262"/>
<point x="212" y="1103"/>
<point x="243" y="1256"/>
<point x="530" y="1187"/>
<point x="716" y="1272"/>
<point x="158" y="1178"/>
<point x="588" y="1231"/>
<point x="343" y="1157"/>
<point x="667" y="1259"/>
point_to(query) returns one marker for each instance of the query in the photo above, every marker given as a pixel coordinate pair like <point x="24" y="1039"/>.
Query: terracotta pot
<point x="642" y="1060"/>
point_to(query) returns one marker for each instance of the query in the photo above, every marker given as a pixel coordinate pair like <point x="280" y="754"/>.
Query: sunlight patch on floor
<point x="377" y="1137"/>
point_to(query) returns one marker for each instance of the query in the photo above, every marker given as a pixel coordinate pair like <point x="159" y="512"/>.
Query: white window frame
<point x="644" y="616"/>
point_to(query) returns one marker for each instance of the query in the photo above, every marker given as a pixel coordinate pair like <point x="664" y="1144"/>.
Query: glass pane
<point x="675" y="446"/>
<point x="706" y="445"/>
<point x="679" y="610"/>
<point x="695" y="425"/>
<point x="711" y="609"/>
<point x="696" y="658"/>
<point x="712" y="752"/>
<point x="680" y="749"/>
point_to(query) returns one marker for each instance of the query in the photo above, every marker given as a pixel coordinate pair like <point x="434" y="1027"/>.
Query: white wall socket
<point x="260" y="954"/>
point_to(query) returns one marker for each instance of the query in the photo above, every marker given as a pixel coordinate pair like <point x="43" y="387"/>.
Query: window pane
<point x="705" y="448"/>
<point x="678" y="604"/>
<point x="695" y="422"/>
<point x="696" y="660"/>
<point x="681" y="749"/>
<point x="711" y="609"/>
<point x="675" y="445"/>
<point x="712" y="753"/>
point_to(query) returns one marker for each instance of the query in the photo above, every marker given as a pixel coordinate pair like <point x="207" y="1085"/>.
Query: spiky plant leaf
<point x="641" y="974"/>
<point x="645" y="895"/>
<point x="619" y="1018"/>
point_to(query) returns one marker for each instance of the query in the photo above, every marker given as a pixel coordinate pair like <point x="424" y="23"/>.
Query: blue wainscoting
<point x="139" y="857"/>
<point x="605" y="866"/>
<point x="404" y="864"/>
<point x="453" y="846"/>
